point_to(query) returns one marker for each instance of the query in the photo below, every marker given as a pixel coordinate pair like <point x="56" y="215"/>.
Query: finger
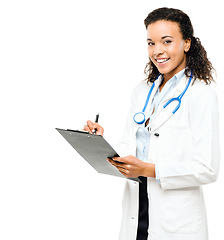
<point x="112" y="162"/>
<point x="116" y="164"/>
<point x="121" y="167"/>
<point x="86" y="128"/>
<point x="95" y="128"/>
<point x="90" y="125"/>
<point x="123" y="172"/>
<point x="119" y="160"/>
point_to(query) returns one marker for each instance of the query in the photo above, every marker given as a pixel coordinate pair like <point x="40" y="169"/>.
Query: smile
<point x="162" y="61"/>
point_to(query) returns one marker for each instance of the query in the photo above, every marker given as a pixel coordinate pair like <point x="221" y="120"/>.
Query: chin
<point x="164" y="71"/>
<point x="167" y="70"/>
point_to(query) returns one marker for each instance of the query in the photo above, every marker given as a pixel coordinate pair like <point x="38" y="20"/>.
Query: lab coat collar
<point x="177" y="89"/>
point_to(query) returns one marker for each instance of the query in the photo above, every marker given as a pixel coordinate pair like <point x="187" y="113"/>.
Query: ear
<point x="187" y="45"/>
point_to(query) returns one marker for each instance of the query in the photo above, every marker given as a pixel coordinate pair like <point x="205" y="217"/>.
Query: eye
<point x="151" y="43"/>
<point x="167" y="42"/>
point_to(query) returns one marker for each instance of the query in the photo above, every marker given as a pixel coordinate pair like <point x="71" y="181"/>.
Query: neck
<point x="167" y="77"/>
<point x="180" y="67"/>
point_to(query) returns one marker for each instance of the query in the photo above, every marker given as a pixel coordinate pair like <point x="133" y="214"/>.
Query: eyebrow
<point x="149" y="39"/>
<point x="167" y="36"/>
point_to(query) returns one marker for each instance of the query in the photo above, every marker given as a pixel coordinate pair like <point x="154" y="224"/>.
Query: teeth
<point x="162" y="60"/>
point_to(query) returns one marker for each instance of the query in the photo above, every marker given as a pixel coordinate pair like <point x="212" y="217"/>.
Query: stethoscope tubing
<point x="179" y="97"/>
<point x="148" y="97"/>
<point x="141" y="115"/>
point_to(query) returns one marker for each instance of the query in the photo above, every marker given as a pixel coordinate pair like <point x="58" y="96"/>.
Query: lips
<point x="162" y="60"/>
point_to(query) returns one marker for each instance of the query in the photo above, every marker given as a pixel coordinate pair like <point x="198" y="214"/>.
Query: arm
<point x="203" y="167"/>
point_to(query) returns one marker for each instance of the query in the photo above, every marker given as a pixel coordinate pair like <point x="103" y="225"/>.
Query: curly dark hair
<point x="197" y="60"/>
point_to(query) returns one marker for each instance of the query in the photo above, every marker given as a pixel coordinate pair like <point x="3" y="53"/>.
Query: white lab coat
<point x="187" y="155"/>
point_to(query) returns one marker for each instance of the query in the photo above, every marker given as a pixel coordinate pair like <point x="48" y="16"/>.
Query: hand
<point x="92" y="127"/>
<point x="132" y="167"/>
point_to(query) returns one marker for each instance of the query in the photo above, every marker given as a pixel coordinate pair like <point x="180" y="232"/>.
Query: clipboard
<point x="94" y="149"/>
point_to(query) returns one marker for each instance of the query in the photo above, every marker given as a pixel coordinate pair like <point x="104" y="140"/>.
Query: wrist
<point x="149" y="170"/>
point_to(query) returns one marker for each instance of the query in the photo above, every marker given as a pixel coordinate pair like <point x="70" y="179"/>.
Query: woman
<point x="173" y="150"/>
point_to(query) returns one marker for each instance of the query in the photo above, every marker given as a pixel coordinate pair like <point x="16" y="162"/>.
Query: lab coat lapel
<point x="163" y="114"/>
<point x="157" y="84"/>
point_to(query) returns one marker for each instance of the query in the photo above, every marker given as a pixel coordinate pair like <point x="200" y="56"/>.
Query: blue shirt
<point x="143" y="135"/>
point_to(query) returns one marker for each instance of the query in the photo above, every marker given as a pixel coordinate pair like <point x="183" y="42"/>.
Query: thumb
<point x="97" y="129"/>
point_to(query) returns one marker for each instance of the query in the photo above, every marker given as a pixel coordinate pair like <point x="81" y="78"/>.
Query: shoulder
<point x="140" y="92"/>
<point x="141" y="88"/>
<point x="200" y="92"/>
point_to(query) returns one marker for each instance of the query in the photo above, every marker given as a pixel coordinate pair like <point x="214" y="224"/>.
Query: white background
<point x="62" y="62"/>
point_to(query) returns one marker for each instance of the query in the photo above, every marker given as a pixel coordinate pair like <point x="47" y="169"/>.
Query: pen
<point x="96" y="121"/>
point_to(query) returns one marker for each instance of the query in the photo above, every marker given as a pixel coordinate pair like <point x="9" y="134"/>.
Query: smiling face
<point x="167" y="48"/>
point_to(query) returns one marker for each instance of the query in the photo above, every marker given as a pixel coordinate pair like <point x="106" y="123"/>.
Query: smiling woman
<point x="174" y="35"/>
<point x="167" y="48"/>
<point x="173" y="149"/>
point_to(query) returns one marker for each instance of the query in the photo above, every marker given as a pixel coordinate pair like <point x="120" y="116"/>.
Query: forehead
<point x="163" y="28"/>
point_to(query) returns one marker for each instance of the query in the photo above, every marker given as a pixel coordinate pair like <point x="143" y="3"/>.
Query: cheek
<point x="177" y="51"/>
<point x="150" y="52"/>
<point x="180" y="48"/>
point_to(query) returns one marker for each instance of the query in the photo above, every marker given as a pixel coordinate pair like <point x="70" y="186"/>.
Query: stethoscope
<point x="139" y="117"/>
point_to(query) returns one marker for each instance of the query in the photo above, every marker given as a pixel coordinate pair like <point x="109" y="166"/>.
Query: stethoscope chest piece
<point x="139" y="117"/>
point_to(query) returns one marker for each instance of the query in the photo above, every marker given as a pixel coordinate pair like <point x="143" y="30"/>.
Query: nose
<point x="158" y="50"/>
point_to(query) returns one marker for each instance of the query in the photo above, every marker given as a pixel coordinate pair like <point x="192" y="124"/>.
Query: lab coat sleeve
<point x="203" y="168"/>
